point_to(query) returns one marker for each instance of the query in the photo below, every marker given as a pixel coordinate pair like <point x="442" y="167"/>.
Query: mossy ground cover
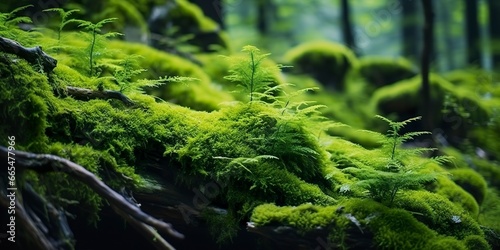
<point x="278" y="165"/>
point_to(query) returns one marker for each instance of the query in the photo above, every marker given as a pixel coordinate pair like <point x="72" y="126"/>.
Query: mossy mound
<point x="470" y="181"/>
<point x="190" y="20"/>
<point x="327" y="62"/>
<point x="454" y="109"/>
<point x="387" y="228"/>
<point x="379" y="72"/>
<point x="23" y="102"/>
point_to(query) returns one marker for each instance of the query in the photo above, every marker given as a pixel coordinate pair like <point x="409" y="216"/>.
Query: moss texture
<point x="327" y="62"/>
<point x="277" y="164"/>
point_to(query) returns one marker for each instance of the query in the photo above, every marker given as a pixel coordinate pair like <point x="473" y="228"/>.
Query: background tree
<point x="472" y="32"/>
<point x="494" y="13"/>
<point x="346" y="24"/>
<point x="410" y="29"/>
<point x="425" y="64"/>
<point x="213" y="9"/>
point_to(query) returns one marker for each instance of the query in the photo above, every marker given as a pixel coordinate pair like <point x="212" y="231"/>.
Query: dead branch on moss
<point x="43" y="163"/>
<point x="33" y="55"/>
<point x="88" y="94"/>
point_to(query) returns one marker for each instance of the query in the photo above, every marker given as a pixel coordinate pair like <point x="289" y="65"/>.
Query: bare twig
<point x="33" y="55"/>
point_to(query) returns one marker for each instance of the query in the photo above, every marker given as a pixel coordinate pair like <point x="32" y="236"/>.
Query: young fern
<point x="128" y="68"/>
<point x="396" y="140"/>
<point x="64" y="15"/>
<point x="9" y="20"/>
<point x="94" y="29"/>
<point x="251" y="75"/>
<point x="398" y="170"/>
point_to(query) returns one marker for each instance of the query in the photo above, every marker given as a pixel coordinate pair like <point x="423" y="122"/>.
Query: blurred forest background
<point x="467" y="32"/>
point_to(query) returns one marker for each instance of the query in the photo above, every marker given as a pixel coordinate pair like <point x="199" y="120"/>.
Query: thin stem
<point x="92" y="51"/>
<point x="251" y="79"/>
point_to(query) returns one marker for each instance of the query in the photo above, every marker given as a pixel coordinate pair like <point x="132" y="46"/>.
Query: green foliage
<point x="471" y="182"/>
<point x="439" y="214"/>
<point x="9" y="20"/>
<point x="128" y="68"/>
<point x="222" y="226"/>
<point x="95" y="46"/>
<point x="250" y="75"/>
<point x="327" y="62"/>
<point x="24" y="102"/>
<point x="398" y="169"/>
<point x="64" y="15"/>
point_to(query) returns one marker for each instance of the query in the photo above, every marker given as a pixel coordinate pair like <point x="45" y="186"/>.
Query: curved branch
<point x="33" y="55"/>
<point x="50" y="163"/>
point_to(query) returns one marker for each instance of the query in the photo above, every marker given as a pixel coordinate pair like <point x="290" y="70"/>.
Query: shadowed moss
<point x="439" y="213"/>
<point x="470" y="181"/>
<point x="378" y="71"/>
<point x="327" y="62"/>
<point x="23" y="103"/>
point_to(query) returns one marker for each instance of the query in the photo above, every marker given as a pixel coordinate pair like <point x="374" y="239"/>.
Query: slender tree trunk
<point x="494" y="13"/>
<point x="425" y="64"/>
<point x="472" y="30"/>
<point x="346" y="24"/>
<point x="262" y="17"/>
<point x="214" y="9"/>
<point x="410" y="29"/>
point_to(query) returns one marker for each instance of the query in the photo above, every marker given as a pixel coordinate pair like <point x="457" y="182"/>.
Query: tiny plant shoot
<point x="250" y="74"/>
<point x="95" y="29"/>
<point x="64" y="15"/>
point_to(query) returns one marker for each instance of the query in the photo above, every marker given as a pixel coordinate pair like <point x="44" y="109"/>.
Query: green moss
<point x="379" y="71"/>
<point x="439" y="214"/>
<point x="199" y="95"/>
<point x="471" y="182"/>
<point x="24" y="104"/>
<point x="327" y="62"/>
<point x="476" y="242"/>
<point x="190" y="19"/>
<point x="447" y="243"/>
<point x="304" y="218"/>
<point x="454" y="108"/>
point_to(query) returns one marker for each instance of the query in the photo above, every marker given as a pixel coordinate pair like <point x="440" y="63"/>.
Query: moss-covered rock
<point x="439" y="213"/>
<point x="378" y="71"/>
<point x="23" y="102"/>
<point x="454" y="110"/>
<point x="327" y="62"/>
<point x="189" y="20"/>
<point x="470" y="181"/>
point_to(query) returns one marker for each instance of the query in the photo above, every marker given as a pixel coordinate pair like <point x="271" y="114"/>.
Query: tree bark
<point x="410" y="29"/>
<point x="428" y="32"/>
<point x="494" y="13"/>
<point x="33" y="55"/>
<point x="214" y="9"/>
<point x="472" y="31"/>
<point x="347" y="25"/>
<point x="88" y="94"/>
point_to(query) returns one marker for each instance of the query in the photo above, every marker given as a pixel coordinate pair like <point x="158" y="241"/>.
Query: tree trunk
<point x="262" y="17"/>
<point x="346" y="25"/>
<point x="472" y="31"/>
<point x="212" y="9"/>
<point x="494" y="12"/>
<point x="425" y="64"/>
<point x="410" y="29"/>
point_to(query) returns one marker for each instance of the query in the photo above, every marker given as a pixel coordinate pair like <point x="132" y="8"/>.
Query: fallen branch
<point x="49" y="163"/>
<point x="33" y="55"/>
<point x="88" y="94"/>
